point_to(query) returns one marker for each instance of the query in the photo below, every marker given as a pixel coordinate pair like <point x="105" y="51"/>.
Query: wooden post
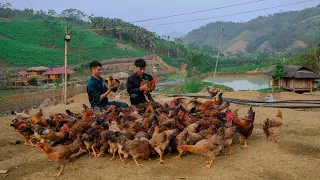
<point x="294" y="87"/>
<point x="272" y="85"/>
<point x="311" y="90"/>
<point x="65" y="68"/>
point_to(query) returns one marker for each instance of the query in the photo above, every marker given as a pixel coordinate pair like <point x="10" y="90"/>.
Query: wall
<point x="31" y="99"/>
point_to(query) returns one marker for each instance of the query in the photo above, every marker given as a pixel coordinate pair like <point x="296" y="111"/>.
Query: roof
<point x="59" y="70"/>
<point x="121" y="75"/>
<point x="298" y="72"/>
<point x="38" y="68"/>
<point x="21" y="73"/>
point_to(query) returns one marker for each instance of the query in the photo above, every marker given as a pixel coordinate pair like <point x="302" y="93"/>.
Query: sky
<point x="135" y="10"/>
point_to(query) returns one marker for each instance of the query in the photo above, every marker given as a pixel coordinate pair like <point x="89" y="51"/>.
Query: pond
<point x="241" y="82"/>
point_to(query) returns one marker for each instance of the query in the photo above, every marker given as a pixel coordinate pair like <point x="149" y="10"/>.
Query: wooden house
<point x="54" y="73"/>
<point x="37" y="71"/>
<point x="296" y="78"/>
<point x="20" y="78"/>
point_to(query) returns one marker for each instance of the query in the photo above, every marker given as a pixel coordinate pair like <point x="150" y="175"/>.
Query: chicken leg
<point x="135" y="160"/>
<point x="179" y="156"/>
<point x="230" y="151"/>
<point x="245" y="144"/>
<point x="209" y="163"/>
<point x="113" y="155"/>
<point x="240" y="140"/>
<point x="63" y="166"/>
<point x="158" y="150"/>
<point x="74" y="166"/>
<point x="120" y="156"/>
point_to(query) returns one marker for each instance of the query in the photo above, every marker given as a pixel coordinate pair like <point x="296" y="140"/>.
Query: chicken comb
<point x="155" y="79"/>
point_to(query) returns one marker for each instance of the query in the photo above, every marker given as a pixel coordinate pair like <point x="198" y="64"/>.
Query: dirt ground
<point x="296" y="156"/>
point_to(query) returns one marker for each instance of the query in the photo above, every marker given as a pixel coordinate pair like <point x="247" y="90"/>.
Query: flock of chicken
<point x="182" y="125"/>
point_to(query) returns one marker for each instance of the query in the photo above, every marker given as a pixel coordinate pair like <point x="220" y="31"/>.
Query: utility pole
<point x="66" y="40"/>
<point x="215" y="69"/>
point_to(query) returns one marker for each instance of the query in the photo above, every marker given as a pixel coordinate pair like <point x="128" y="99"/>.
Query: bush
<point x="33" y="81"/>
<point x="57" y="81"/>
<point x="269" y="90"/>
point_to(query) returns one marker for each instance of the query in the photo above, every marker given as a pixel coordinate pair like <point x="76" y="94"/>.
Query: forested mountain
<point x="289" y="32"/>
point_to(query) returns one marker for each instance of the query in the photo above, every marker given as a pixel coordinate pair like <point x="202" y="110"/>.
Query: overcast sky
<point x="134" y="10"/>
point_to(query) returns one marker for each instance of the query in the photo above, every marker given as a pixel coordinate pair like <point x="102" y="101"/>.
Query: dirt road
<point x="296" y="156"/>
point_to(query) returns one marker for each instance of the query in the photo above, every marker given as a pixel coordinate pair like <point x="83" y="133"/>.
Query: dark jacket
<point x="95" y="88"/>
<point x="133" y="84"/>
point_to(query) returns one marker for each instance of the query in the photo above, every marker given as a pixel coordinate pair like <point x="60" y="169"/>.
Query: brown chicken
<point x="272" y="126"/>
<point x="207" y="147"/>
<point x="24" y="127"/>
<point x="78" y="129"/>
<point x="113" y="83"/>
<point x="181" y="139"/>
<point x="37" y="119"/>
<point x="228" y="137"/>
<point x="244" y="125"/>
<point x="160" y="141"/>
<point x="137" y="148"/>
<point x="62" y="154"/>
<point x="151" y="85"/>
<point x="87" y="114"/>
<point x="212" y="92"/>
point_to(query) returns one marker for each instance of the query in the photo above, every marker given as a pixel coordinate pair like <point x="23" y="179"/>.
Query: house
<point x="37" y="71"/>
<point x="54" y="73"/>
<point x="20" y="74"/>
<point x="296" y="78"/>
<point x="20" y="78"/>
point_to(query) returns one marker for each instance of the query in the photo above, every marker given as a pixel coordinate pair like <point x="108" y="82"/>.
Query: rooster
<point x="212" y="92"/>
<point x="244" y="125"/>
<point x="150" y="84"/>
<point x="272" y="126"/>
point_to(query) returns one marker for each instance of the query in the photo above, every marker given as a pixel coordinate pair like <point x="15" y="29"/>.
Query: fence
<point x="36" y="98"/>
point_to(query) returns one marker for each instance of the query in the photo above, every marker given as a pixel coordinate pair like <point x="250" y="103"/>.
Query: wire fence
<point x="26" y="100"/>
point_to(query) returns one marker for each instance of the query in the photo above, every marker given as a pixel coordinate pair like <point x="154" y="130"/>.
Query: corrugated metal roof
<point x="299" y="72"/>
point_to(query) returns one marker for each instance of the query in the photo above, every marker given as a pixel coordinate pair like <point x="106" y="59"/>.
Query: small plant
<point x="57" y="81"/>
<point x="33" y="81"/>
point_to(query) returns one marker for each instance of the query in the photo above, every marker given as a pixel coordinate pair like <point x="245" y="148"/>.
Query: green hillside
<point x="281" y="32"/>
<point x="40" y="42"/>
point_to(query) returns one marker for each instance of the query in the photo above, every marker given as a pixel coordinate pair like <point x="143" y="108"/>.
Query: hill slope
<point x="40" y="42"/>
<point x="281" y="32"/>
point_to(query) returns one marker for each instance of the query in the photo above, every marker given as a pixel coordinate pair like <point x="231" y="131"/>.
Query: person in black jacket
<point x="133" y="84"/>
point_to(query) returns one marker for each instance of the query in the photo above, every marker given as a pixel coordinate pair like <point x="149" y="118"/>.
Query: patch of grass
<point x="168" y="77"/>
<point x="242" y="68"/>
<point x="171" y="61"/>
<point x="193" y="85"/>
<point x="40" y="42"/>
<point x="269" y="90"/>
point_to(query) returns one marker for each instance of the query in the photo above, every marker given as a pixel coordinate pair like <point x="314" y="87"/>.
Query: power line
<point x="246" y="12"/>
<point x="201" y="19"/>
<point x="194" y="12"/>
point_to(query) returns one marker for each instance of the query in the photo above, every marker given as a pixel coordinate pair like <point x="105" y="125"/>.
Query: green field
<point x="40" y="42"/>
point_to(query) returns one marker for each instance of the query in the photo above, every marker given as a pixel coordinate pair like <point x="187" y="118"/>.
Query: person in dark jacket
<point x="97" y="90"/>
<point x="133" y="84"/>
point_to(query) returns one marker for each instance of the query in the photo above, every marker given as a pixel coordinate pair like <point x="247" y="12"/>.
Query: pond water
<point x="241" y="82"/>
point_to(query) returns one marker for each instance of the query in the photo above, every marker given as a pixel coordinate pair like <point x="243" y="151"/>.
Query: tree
<point x="279" y="71"/>
<point x="57" y="81"/>
<point x="33" y="81"/>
